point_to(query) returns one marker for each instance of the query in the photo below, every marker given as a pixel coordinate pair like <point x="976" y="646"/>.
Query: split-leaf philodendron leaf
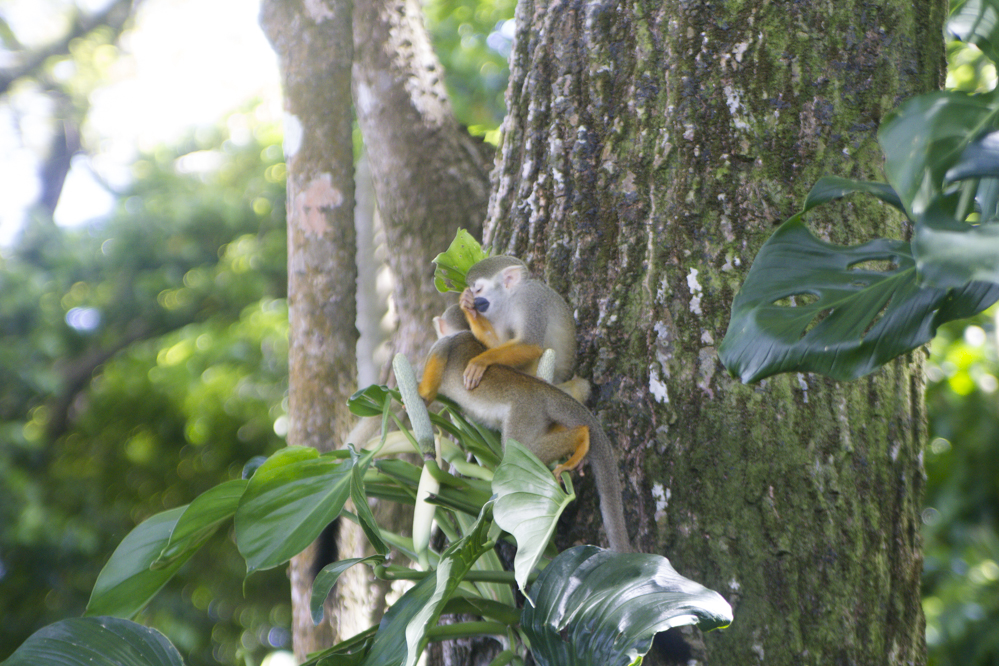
<point x="845" y="319"/>
<point x="594" y="607"/>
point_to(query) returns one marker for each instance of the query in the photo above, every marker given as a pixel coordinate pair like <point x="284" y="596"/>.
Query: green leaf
<point x="371" y="400"/>
<point x="453" y="265"/>
<point x="829" y="188"/>
<point x="977" y="22"/>
<point x="860" y="318"/>
<point x="288" y="502"/>
<point x="926" y="136"/>
<point x="528" y="504"/>
<point x="360" y="500"/>
<point x="126" y="583"/>
<point x="952" y="254"/>
<point x="402" y="633"/>
<point x="593" y="606"/>
<point x="327" y="578"/>
<point x="201" y="519"/>
<point x="96" y="641"/>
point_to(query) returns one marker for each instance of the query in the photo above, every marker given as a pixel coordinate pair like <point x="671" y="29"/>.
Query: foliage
<point x="473" y="38"/>
<point x="142" y="360"/>
<point x="622" y="599"/>
<point x="811" y="306"/>
<point x="961" y="518"/>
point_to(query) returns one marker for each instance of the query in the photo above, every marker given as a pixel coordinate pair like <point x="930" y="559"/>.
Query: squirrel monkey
<point x="517" y="318"/>
<point x="529" y="410"/>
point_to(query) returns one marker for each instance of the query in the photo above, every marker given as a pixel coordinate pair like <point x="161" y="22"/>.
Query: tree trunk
<point x="430" y="179"/>
<point x="313" y="41"/>
<point x="648" y="151"/>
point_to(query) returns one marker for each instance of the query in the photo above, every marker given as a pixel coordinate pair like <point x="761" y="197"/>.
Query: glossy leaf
<point x="96" y="641"/>
<point x="327" y="578"/>
<point x="288" y="502"/>
<point x="926" y="136"/>
<point x="200" y="520"/>
<point x="126" y="583"/>
<point x="595" y="607"/>
<point x="952" y="254"/>
<point x="453" y="265"/>
<point x="528" y="504"/>
<point x="859" y="318"/>
<point x="977" y="22"/>
<point x="402" y="633"/>
<point x="360" y="499"/>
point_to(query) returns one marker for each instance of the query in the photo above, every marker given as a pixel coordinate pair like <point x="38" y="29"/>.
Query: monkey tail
<point x="606" y="473"/>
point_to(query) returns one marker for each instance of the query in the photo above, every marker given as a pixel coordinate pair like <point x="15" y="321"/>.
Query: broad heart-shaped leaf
<point x="287" y="503"/>
<point x="764" y="338"/>
<point x="528" y="504"/>
<point x="402" y="633"/>
<point x="453" y="265"/>
<point x="96" y="641"/>
<point x="126" y="583"/>
<point x="594" y="607"/>
<point x="200" y="520"/>
<point x="952" y="254"/>
<point x="977" y="22"/>
<point x="924" y="138"/>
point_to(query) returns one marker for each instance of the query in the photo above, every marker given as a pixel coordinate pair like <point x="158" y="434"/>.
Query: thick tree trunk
<point x="649" y="150"/>
<point x="313" y="41"/>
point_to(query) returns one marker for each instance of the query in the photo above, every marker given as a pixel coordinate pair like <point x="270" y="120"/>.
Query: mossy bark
<point x="649" y="150"/>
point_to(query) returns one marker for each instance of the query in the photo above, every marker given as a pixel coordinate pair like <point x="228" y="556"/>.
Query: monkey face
<point x="481" y="304"/>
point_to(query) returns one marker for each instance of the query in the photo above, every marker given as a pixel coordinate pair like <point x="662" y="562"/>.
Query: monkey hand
<point x="473" y="374"/>
<point x="467" y="303"/>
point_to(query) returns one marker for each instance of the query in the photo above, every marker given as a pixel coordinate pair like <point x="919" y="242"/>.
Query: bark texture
<point x="313" y="41"/>
<point x="430" y="176"/>
<point x="649" y="150"/>
<point x="430" y="179"/>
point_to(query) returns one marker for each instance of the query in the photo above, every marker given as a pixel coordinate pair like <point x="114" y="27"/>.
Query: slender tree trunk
<point x="313" y="41"/>
<point x="649" y="150"/>
<point x="430" y="179"/>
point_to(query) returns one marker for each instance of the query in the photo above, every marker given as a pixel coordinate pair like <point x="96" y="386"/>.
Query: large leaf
<point x="290" y="499"/>
<point x="95" y="641"/>
<point x="528" y="504"/>
<point x="926" y="136"/>
<point x="860" y="318"/>
<point x="952" y="254"/>
<point x="201" y="519"/>
<point x="977" y="22"/>
<point x="402" y="633"/>
<point x="594" y="607"/>
<point x="126" y="583"/>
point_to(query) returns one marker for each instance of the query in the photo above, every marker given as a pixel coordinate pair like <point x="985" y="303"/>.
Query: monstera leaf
<point x="812" y="306"/>
<point x="594" y="607"/>
<point x="96" y="641"/>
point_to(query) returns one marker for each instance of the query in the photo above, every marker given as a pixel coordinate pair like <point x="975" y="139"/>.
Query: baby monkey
<point x="541" y="417"/>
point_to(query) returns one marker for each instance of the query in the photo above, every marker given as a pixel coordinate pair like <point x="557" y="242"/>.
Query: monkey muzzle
<point x="481" y="304"/>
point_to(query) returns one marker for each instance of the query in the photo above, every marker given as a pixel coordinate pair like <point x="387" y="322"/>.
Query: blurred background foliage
<point x="143" y="357"/>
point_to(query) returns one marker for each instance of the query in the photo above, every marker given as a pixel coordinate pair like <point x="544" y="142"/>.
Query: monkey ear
<point x="512" y="275"/>
<point x="439" y="327"/>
